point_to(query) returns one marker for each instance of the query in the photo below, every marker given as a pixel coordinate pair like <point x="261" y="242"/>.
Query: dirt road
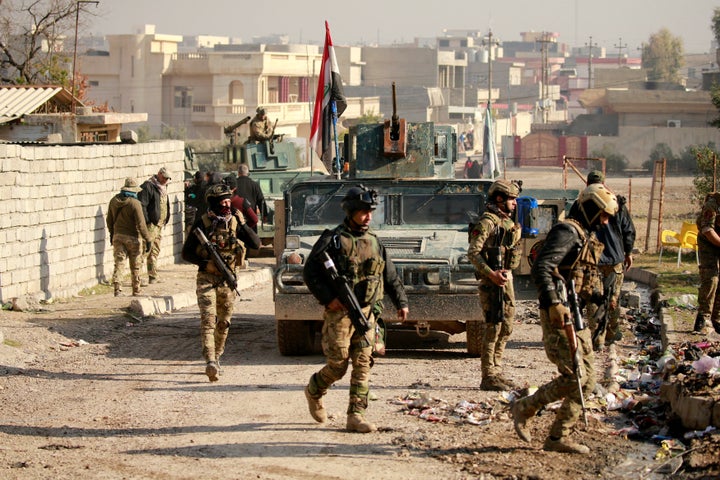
<point x="91" y="392"/>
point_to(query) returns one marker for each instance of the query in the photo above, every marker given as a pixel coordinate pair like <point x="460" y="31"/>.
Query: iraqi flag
<point x="329" y="90"/>
<point x="490" y="164"/>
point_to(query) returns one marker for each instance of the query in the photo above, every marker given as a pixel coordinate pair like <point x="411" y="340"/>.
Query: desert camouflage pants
<point x="495" y="335"/>
<point x="342" y="345"/>
<point x="613" y="319"/>
<point x="215" y="301"/>
<point x="154" y="253"/>
<point x="709" y="269"/>
<point x="127" y="247"/>
<point x="563" y="387"/>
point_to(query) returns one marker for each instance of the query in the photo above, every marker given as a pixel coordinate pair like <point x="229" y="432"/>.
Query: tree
<point x="660" y="151"/>
<point x="715" y="25"/>
<point x="707" y="158"/>
<point x="662" y="56"/>
<point x="614" y="160"/>
<point x="32" y="41"/>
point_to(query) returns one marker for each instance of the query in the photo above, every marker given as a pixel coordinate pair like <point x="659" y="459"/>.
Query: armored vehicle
<point x="422" y="218"/>
<point x="274" y="164"/>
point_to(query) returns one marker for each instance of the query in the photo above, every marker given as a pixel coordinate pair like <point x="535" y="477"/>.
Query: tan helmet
<point x="594" y="199"/>
<point x="504" y="187"/>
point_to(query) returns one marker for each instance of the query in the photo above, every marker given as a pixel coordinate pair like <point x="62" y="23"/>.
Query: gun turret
<point x="230" y="130"/>
<point x="394" y="132"/>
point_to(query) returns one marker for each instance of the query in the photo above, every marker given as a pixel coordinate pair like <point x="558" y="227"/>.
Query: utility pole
<point x="77" y="18"/>
<point x="491" y="44"/>
<point x="590" y="46"/>
<point x="544" y="41"/>
<point x="620" y="48"/>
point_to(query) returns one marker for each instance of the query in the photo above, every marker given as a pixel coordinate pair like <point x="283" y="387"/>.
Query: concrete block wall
<point x="53" y="204"/>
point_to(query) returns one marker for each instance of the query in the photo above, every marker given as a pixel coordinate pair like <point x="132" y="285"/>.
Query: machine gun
<point x="394" y="132"/>
<point x="347" y="296"/>
<point x="231" y="130"/>
<point x="220" y="263"/>
<point x="572" y="326"/>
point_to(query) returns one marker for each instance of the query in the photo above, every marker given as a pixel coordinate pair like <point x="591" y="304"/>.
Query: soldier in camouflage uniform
<point x="126" y="224"/>
<point x="225" y="227"/>
<point x="570" y="251"/>
<point x="260" y="130"/>
<point x="708" y="223"/>
<point x="493" y="242"/>
<point x="362" y="260"/>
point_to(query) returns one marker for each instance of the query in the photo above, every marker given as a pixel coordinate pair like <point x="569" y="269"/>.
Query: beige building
<point x="206" y="91"/>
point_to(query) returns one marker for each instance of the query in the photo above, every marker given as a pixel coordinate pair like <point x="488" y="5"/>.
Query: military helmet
<point x="359" y="198"/>
<point x="260" y="110"/>
<point x="505" y="187"/>
<point x="594" y="199"/>
<point x="217" y="193"/>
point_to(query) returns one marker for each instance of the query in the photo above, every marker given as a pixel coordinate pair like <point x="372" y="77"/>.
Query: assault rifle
<point x="572" y="326"/>
<point x="347" y="296"/>
<point x="497" y="293"/>
<point x="220" y="263"/>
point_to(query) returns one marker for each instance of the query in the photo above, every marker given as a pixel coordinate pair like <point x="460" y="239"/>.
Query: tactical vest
<point x="584" y="268"/>
<point x="360" y="262"/>
<point x="231" y="248"/>
<point x="510" y="234"/>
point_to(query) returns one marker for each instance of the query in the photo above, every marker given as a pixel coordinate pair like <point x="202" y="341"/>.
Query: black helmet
<point x="217" y="193"/>
<point x="359" y="198"/>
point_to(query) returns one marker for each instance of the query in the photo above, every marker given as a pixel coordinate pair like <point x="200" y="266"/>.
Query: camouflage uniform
<point x="214" y="297"/>
<point x="126" y="224"/>
<point x="563" y="250"/>
<point x="260" y="129"/>
<point x="362" y="259"/>
<point x="485" y="234"/>
<point x="709" y="268"/>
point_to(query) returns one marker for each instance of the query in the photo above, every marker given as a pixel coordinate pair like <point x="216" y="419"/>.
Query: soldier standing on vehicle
<point x="493" y="242"/>
<point x="567" y="259"/>
<point x="126" y="224"/>
<point x="224" y="227"/>
<point x="618" y="237"/>
<point x="708" y="242"/>
<point x="260" y="129"/>
<point x="361" y="261"/>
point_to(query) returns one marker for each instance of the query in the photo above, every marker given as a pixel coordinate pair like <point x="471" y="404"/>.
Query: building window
<point x="183" y="97"/>
<point x="93" y="83"/>
<point x="444" y="43"/>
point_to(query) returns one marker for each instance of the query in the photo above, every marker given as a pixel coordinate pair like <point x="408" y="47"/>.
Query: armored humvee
<point x="274" y="164"/>
<point x="422" y="219"/>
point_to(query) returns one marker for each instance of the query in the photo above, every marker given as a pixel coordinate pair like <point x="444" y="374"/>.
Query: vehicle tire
<point x="474" y="334"/>
<point x="295" y="337"/>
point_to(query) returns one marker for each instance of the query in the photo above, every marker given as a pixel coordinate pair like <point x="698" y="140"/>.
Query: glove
<point x="557" y="314"/>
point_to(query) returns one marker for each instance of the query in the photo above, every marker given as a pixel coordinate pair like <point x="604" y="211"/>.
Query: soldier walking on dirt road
<point x="362" y="263"/>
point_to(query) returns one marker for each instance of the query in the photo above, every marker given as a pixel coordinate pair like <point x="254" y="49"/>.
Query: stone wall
<point x="53" y="203"/>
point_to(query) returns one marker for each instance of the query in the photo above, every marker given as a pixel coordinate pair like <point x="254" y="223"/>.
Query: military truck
<point x="422" y="218"/>
<point x="274" y="164"/>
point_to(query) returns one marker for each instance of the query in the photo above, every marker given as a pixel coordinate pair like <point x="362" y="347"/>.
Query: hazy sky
<point x="390" y="21"/>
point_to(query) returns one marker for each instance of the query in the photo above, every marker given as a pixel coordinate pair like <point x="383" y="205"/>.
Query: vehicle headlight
<point x="292" y="242"/>
<point x="432" y="278"/>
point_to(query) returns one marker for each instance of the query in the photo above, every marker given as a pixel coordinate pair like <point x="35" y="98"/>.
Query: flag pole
<point x="336" y="163"/>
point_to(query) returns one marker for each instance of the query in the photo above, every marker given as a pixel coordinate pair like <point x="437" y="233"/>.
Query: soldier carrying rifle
<point x="565" y="269"/>
<point x="353" y="255"/>
<point x="221" y="238"/>
<point x="493" y="242"/>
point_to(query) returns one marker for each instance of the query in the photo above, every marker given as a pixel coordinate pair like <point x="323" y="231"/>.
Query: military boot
<point x="357" y="423"/>
<point x="118" y="289"/>
<point x="564" y="445"/>
<point x="316" y="407"/>
<point x="212" y="370"/>
<point x="520" y="417"/>
<point x="492" y="383"/>
<point x="699" y="326"/>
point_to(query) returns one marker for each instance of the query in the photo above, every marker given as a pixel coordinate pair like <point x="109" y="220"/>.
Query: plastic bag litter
<point x="706" y="364"/>
<point x="686" y="301"/>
